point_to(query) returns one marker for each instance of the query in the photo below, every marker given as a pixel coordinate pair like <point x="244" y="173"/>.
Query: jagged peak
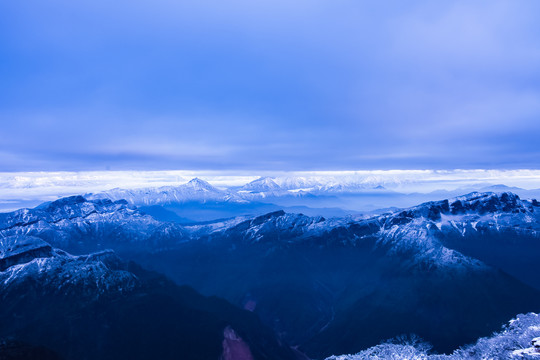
<point x="483" y="202"/>
<point x="476" y="202"/>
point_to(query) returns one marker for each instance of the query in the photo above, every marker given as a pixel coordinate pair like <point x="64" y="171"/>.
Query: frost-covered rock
<point x="517" y="340"/>
<point x="20" y="249"/>
<point x="29" y="260"/>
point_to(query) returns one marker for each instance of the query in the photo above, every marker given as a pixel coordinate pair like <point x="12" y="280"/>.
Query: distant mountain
<point x="264" y="188"/>
<point x="299" y="186"/>
<point x="200" y="201"/>
<point x="196" y="190"/>
<point x="298" y="183"/>
<point x="501" y="188"/>
<point x="98" y="307"/>
<point x="263" y="184"/>
<point x="351" y="192"/>
<point x="457" y="265"/>
<point x="524" y="193"/>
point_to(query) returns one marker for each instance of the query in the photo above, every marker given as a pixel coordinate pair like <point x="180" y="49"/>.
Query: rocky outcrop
<point x="21" y="249"/>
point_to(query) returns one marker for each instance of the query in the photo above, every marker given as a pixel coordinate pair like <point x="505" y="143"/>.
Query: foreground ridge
<point x="519" y="339"/>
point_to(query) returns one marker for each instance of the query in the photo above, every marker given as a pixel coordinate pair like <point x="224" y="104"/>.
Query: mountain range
<point x="450" y="270"/>
<point x="198" y="200"/>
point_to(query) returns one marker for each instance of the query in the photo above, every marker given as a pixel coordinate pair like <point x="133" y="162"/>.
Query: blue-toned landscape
<point x="270" y="180"/>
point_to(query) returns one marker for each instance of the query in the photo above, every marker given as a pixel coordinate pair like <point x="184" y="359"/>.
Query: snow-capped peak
<point x="263" y="184"/>
<point x="197" y="190"/>
<point x="199" y="184"/>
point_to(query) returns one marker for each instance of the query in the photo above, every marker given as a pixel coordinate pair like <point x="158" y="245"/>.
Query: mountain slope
<point x="96" y="306"/>
<point x="343" y="276"/>
<point x="330" y="285"/>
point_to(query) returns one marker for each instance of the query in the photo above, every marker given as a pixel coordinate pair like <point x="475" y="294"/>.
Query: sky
<point x="236" y="85"/>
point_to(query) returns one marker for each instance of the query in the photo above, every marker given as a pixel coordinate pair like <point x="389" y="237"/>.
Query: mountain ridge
<point x="332" y="269"/>
<point x="98" y="306"/>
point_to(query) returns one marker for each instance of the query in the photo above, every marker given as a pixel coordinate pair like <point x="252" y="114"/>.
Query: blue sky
<point x="269" y="85"/>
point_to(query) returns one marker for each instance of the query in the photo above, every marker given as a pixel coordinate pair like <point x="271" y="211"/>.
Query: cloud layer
<point x="269" y="85"/>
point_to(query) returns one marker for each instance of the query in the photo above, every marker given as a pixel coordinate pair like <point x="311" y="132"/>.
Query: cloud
<point x="276" y="85"/>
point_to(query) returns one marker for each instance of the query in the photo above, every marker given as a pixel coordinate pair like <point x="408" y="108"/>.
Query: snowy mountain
<point x="80" y="226"/>
<point x="419" y="230"/>
<point x="98" y="307"/>
<point x="297" y="183"/>
<point x="415" y="270"/>
<point x="198" y="200"/>
<point x="351" y="191"/>
<point x="422" y="230"/>
<point x="267" y="189"/>
<point x="289" y="186"/>
<point x="263" y="184"/>
<point x="196" y="190"/>
<point x="26" y="259"/>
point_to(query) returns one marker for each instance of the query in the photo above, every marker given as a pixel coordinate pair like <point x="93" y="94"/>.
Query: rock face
<point x="21" y="249"/>
<point x="30" y="261"/>
<point x="450" y="270"/>
<point x="98" y="307"/>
